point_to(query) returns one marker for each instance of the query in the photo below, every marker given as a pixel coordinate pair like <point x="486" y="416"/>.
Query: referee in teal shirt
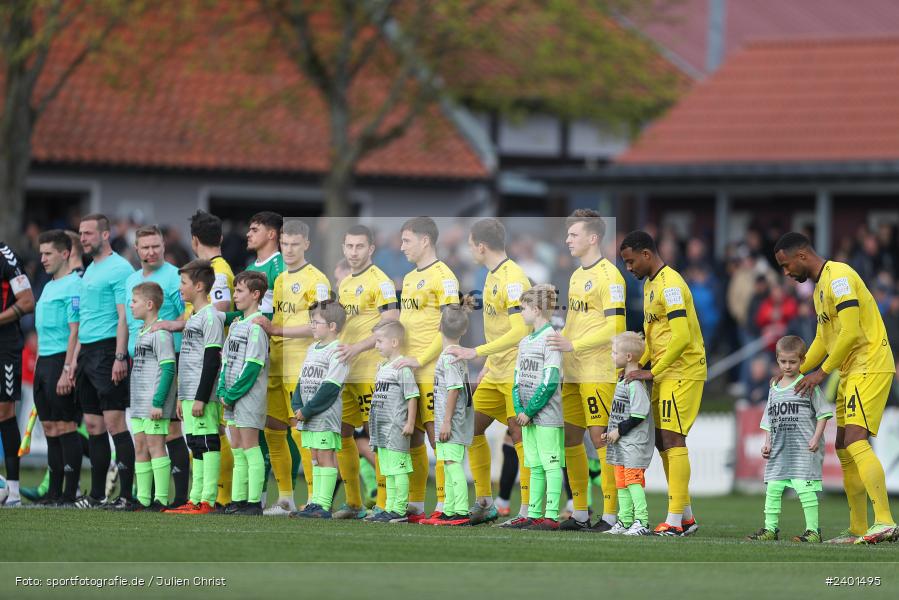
<point x="102" y="370"/>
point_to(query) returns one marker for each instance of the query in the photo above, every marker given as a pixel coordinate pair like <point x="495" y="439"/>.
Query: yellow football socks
<point x="418" y="481"/>
<point x="524" y="477"/>
<point x="609" y="489"/>
<point x="855" y="493"/>
<point x="279" y="455"/>
<point x="578" y="475"/>
<point x="479" y="463"/>
<point x="678" y="479"/>
<point x="226" y="472"/>
<point x="440" y="481"/>
<point x="348" y="463"/>
<point x="381" y="500"/>
<point x="306" y="459"/>
<point x="871" y="472"/>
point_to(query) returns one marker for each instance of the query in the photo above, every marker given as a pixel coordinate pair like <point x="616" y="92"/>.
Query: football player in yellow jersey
<point x="851" y="339"/>
<point x="369" y="298"/>
<point x="503" y="329"/>
<point x="426" y="289"/>
<point x="675" y="348"/>
<point x="296" y="289"/>
<point x="594" y="315"/>
<point x="206" y="241"/>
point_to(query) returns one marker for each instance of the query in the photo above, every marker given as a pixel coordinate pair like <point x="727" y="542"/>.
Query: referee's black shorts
<point x="50" y="405"/>
<point x="95" y="390"/>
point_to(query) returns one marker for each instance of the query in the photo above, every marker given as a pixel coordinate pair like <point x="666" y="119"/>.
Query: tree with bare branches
<point x="30" y="30"/>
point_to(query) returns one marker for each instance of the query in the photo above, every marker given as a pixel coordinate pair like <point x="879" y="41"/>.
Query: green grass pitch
<point x="356" y="559"/>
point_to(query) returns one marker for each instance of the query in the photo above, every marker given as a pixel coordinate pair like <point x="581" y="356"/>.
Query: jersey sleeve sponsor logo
<point x="514" y="291"/>
<point x="387" y="290"/>
<point x="321" y="292"/>
<point x="76" y="302"/>
<point x="840" y="287"/>
<point x="673" y="296"/>
<point x="616" y="292"/>
<point x="450" y="287"/>
<point x="19" y="284"/>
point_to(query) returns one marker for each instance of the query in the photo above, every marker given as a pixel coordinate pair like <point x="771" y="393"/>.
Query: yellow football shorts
<point x="278" y="396"/>
<point x="425" y="412"/>
<point x="675" y="404"/>
<point x="494" y="399"/>
<point x="861" y="399"/>
<point x="357" y="402"/>
<point x="587" y="404"/>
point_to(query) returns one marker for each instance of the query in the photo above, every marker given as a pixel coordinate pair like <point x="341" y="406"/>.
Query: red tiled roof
<point x="684" y="27"/>
<point x="797" y="100"/>
<point x="191" y="120"/>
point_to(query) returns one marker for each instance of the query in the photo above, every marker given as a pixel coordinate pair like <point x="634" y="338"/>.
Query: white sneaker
<point x="617" y="529"/>
<point x="279" y="509"/>
<point x="637" y="528"/>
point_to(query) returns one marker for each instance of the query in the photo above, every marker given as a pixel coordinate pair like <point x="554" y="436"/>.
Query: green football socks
<point x="162" y="473"/>
<point x="538" y="492"/>
<point x="625" y="507"/>
<point x="143" y="476"/>
<point x="255" y="473"/>
<point x="460" y="483"/>
<point x="325" y="480"/>
<point x="211" y="464"/>
<point x="638" y="496"/>
<point x="398" y="500"/>
<point x="773" y="497"/>
<point x="197" y="473"/>
<point x="239" y="480"/>
<point x="809" y="502"/>
<point x="390" y="484"/>
<point x="553" y="493"/>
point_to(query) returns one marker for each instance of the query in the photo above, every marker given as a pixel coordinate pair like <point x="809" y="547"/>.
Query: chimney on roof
<point x="715" y="40"/>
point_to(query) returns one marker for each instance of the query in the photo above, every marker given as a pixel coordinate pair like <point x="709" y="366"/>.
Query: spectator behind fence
<point x="703" y="287"/>
<point x="759" y="379"/>
<point x="774" y="314"/>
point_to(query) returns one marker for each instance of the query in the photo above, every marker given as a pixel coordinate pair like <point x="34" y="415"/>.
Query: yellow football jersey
<point x="667" y="296"/>
<point x="595" y="295"/>
<point x="294" y="293"/>
<point x="502" y="298"/>
<point x="838" y="288"/>
<point x="424" y="292"/>
<point x="222" y="288"/>
<point x="365" y="296"/>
